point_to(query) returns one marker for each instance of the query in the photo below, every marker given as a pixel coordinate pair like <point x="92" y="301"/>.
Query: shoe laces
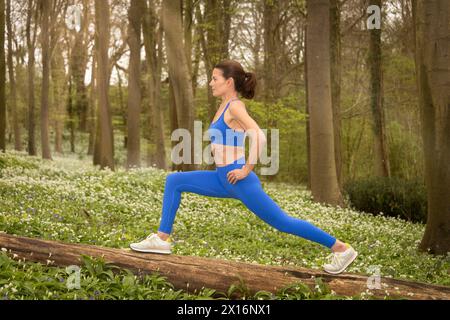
<point x="336" y="257"/>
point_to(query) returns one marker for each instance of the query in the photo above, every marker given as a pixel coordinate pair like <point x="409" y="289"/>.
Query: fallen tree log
<point x="194" y="273"/>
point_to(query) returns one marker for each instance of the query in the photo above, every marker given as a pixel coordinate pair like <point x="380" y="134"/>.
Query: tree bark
<point x="432" y="19"/>
<point x="153" y="36"/>
<point x="71" y="114"/>
<point x="93" y="105"/>
<point x="59" y="95"/>
<point x="78" y="65"/>
<point x="12" y="81"/>
<point x="381" y="158"/>
<point x="2" y="78"/>
<point x="335" y="69"/>
<point x="324" y="183"/>
<point x="31" y="41"/>
<point x="214" y="40"/>
<point x="45" y="143"/>
<point x="197" y="57"/>
<point x="187" y="13"/>
<point x="122" y="108"/>
<point x="179" y="73"/>
<point x="191" y="273"/>
<point x="106" y="141"/>
<point x="134" y="87"/>
<point x="173" y="120"/>
<point x="308" y="122"/>
<point x="271" y="54"/>
<point x="257" y="8"/>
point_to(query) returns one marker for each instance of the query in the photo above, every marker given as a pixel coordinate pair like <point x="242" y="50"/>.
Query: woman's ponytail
<point x="248" y="90"/>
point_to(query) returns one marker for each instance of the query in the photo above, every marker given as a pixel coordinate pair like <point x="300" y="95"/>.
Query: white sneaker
<point x="153" y="243"/>
<point x="340" y="260"/>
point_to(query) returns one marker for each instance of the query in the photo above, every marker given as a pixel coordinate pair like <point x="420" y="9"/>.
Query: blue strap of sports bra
<point x="226" y="107"/>
<point x="225" y="138"/>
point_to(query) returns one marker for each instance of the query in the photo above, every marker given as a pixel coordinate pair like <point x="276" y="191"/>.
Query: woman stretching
<point x="233" y="178"/>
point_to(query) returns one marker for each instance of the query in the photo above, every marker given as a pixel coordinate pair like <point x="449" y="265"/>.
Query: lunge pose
<point x="233" y="176"/>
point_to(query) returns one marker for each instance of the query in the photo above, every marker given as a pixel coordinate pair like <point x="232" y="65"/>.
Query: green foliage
<point x="10" y="160"/>
<point x="98" y="280"/>
<point x="393" y="197"/>
<point x="284" y="116"/>
<point x="405" y="152"/>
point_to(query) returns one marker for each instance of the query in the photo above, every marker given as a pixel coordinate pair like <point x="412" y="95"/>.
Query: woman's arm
<point x="257" y="137"/>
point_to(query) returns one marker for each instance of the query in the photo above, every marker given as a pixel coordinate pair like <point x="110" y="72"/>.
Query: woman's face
<point x="219" y="85"/>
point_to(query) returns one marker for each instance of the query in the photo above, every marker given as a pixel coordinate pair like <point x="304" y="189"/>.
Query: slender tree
<point x="105" y="138"/>
<point x="335" y="68"/>
<point x="32" y="14"/>
<point x="376" y="94"/>
<point x="271" y="52"/>
<point x="12" y="80"/>
<point x="214" y="37"/>
<point x="58" y="73"/>
<point x="92" y="104"/>
<point x="2" y="78"/>
<point x="45" y="42"/>
<point x="153" y="36"/>
<point x="432" y="20"/>
<point x="179" y="71"/>
<point x="324" y="183"/>
<point x="135" y="15"/>
<point x="78" y="66"/>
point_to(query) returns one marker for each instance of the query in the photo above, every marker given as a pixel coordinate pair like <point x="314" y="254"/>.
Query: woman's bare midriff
<point x="224" y="154"/>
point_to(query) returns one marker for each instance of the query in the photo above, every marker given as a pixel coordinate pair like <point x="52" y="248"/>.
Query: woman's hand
<point x="237" y="174"/>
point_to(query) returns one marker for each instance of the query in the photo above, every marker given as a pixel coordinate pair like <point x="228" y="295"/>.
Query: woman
<point x="233" y="178"/>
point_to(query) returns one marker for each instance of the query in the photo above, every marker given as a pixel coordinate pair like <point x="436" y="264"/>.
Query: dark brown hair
<point x="244" y="82"/>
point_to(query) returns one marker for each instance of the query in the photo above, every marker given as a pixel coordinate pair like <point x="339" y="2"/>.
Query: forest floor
<point x="69" y="200"/>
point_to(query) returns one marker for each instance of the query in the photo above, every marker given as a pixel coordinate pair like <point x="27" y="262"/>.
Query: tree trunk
<point x="106" y="141"/>
<point x="134" y="87"/>
<point x="335" y="68"/>
<point x="193" y="273"/>
<point x="31" y="40"/>
<point x="12" y="82"/>
<point x="324" y="183"/>
<point x="173" y="123"/>
<point x="122" y="108"/>
<point x="158" y="111"/>
<point x="59" y="93"/>
<point x="179" y="73"/>
<point x="45" y="143"/>
<point x="271" y="51"/>
<point x="213" y="40"/>
<point x="153" y="35"/>
<point x="71" y="114"/>
<point x="256" y="10"/>
<point x="93" y="105"/>
<point x="197" y="59"/>
<point x="376" y="84"/>
<point x="187" y="28"/>
<point x="97" y="146"/>
<point x="308" y="125"/>
<point x="78" y="65"/>
<point x="432" y="19"/>
<point x="2" y="78"/>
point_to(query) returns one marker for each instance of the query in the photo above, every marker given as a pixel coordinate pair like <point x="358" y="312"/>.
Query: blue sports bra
<point x="221" y="133"/>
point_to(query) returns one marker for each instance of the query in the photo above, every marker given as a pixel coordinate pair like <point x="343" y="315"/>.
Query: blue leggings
<point x="214" y="183"/>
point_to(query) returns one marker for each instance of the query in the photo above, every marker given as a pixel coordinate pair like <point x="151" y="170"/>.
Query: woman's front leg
<point x="202" y="182"/>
